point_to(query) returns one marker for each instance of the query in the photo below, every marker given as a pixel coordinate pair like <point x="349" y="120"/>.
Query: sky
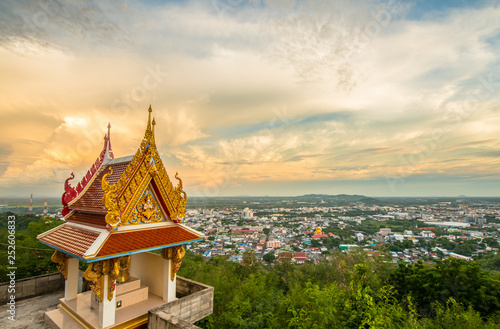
<point x="256" y="97"/>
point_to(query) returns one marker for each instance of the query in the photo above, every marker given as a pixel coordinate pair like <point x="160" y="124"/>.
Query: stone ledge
<point x="33" y="286"/>
<point x="194" y="304"/>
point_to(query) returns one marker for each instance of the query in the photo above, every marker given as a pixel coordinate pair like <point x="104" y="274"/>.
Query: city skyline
<point x="278" y="98"/>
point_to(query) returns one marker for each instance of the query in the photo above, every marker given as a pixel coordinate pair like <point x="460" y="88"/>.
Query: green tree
<point x="269" y="257"/>
<point x="466" y="283"/>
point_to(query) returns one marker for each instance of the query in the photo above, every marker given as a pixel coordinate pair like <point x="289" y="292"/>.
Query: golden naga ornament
<point x="114" y="271"/>
<point x="175" y="254"/>
<point x="95" y="273"/>
<point x="61" y="259"/>
<point x="109" y="201"/>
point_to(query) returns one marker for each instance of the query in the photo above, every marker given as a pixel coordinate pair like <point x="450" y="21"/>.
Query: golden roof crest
<point x="145" y="168"/>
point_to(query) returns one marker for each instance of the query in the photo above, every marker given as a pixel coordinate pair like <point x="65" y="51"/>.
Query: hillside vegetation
<point x="351" y="290"/>
<point x="348" y="291"/>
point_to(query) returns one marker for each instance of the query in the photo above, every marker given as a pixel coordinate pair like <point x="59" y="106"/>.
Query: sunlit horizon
<point x="256" y="98"/>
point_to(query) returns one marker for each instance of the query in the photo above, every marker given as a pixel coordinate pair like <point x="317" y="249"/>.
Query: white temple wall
<point x="149" y="268"/>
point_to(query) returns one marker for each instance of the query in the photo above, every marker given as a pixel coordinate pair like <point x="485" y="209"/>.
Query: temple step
<point x="131" y="297"/>
<point x="59" y="319"/>
<point x="131" y="284"/>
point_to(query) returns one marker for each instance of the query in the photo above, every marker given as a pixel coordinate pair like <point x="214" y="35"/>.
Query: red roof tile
<point x="72" y="240"/>
<point x="121" y="242"/>
<point x="85" y="218"/>
<point x="92" y="197"/>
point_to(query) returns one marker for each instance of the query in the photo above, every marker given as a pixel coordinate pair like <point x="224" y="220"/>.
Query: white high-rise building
<point x="247" y="214"/>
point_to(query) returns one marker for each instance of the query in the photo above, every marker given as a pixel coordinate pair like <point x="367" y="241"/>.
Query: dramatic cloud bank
<point x="256" y="97"/>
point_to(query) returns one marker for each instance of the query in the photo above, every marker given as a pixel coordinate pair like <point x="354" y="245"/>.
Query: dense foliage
<point x="348" y="291"/>
<point x="31" y="257"/>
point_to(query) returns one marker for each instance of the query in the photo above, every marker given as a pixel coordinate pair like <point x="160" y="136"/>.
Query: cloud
<point x="39" y="26"/>
<point x="250" y="92"/>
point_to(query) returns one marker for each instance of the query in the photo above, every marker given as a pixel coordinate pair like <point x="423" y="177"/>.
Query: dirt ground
<point x="29" y="312"/>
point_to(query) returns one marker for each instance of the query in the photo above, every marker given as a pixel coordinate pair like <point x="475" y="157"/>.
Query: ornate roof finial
<point x="109" y="129"/>
<point x="153" y="132"/>
<point x="148" y="128"/>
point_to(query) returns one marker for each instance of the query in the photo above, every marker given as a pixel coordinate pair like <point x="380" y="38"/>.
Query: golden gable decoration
<point x="125" y="201"/>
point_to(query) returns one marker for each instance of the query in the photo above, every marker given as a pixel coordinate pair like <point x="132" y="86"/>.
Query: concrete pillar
<point x="108" y="307"/>
<point x="169" y="286"/>
<point x="71" y="284"/>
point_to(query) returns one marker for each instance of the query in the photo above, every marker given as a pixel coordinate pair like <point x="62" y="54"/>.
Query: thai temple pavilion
<point x="120" y="211"/>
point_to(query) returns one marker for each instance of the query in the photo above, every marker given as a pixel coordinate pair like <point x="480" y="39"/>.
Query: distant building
<point x="345" y="247"/>
<point x="247" y="214"/>
<point x="383" y="217"/>
<point x="273" y="244"/>
<point x="300" y="257"/>
<point x="398" y="237"/>
<point x="458" y="256"/>
<point x="384" y="231"/>
<point x="476" y="219"/>
<point x="427" y="234"/>
<point x="244" y="232"/>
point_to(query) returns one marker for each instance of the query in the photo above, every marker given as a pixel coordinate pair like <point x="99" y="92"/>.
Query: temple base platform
<point x="133" y="303"/>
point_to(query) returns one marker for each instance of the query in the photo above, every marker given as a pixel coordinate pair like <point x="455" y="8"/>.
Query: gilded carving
<point x="61" y="259"/>
<point x="93" y="273"/>
<point x="114" y="270"/>
<point x="131" y="185"/>
<point x="124" y="274"/>
<point x="109" y="201"/>
<point x="175" y="254"/>
<point x="146" y="210"/>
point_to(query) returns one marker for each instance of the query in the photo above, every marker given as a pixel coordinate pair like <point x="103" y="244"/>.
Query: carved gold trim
<point x="95" y="273"/>
<point x="140" y="185"/>
<point x="109" y="201"/>
<point x="175" y="254"/>
<point x="144" y="166"/>
<point x="146" y="210"/>
<point x="124" y="274"/>
<point x="114" y="270"/>
<point x="61" y="259"/>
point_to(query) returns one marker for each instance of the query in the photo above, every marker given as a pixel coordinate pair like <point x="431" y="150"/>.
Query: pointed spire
<point x="149" y="117"/>
<point x="108" y="153"/>
<point x="148" y="133"/>
<point x="153" y="132"/>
